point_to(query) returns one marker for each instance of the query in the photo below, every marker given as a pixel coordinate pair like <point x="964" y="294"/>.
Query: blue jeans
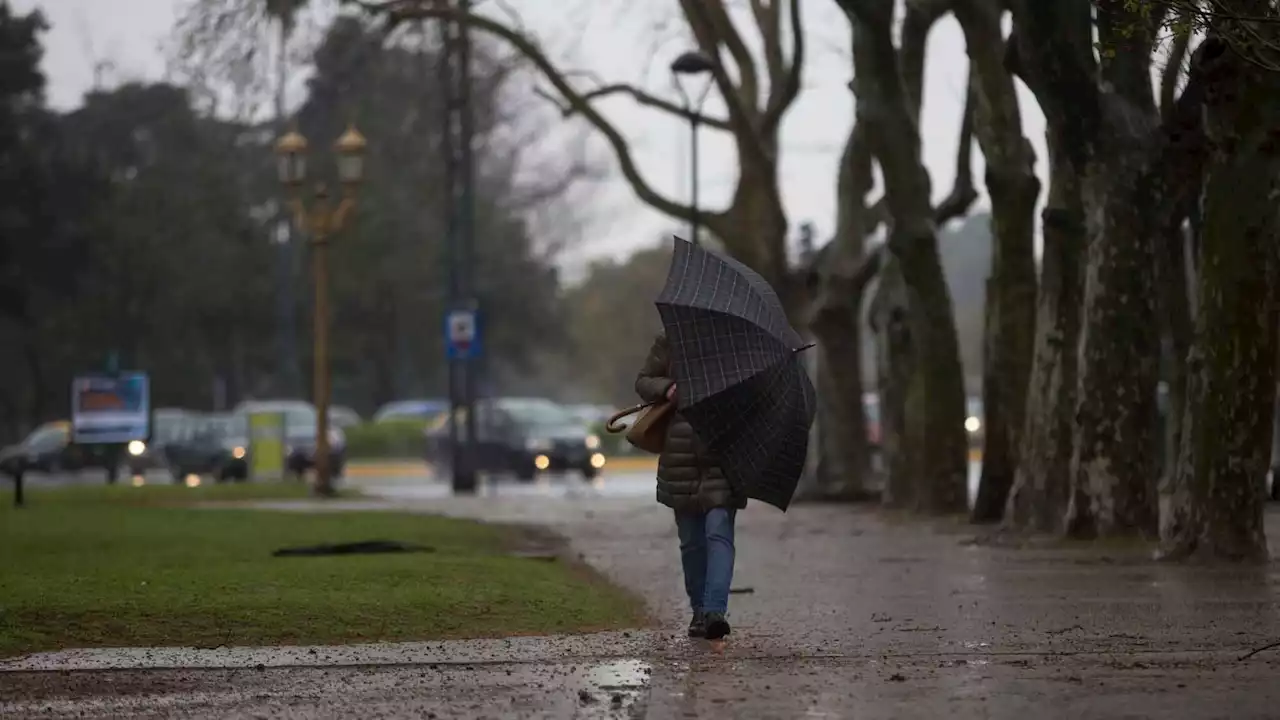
<point x="706" y="552"/>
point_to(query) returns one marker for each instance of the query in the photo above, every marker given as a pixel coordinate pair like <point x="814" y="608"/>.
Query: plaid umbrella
<point x="734" y="359"/>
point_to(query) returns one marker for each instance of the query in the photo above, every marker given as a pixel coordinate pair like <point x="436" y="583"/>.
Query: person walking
<point x="692" y="484"/>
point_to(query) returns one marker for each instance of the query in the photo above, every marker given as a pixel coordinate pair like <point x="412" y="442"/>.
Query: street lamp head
<point x="693" y="62"/>
<point x="351" y="151"/>
<point x="291" y="158"/>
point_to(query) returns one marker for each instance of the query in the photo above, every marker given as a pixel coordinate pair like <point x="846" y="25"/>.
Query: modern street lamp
<point x="691" y="63"/>
<point x="320" y="219"/>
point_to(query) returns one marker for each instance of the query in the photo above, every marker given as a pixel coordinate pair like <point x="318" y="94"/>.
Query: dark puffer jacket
<point x="689" y="479"/>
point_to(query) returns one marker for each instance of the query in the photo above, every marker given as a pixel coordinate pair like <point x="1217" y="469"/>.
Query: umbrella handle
<point x="613" y="426"/>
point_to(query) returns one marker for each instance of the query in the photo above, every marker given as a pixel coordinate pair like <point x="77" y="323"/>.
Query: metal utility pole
<point x="282" y="242"/>
<point x="456" y="88"/>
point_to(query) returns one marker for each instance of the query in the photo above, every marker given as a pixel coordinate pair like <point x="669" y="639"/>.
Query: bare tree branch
<point x="920" y="18"/>
<point x="1173" y="70"/>
<point x="397" y="11"/>
<point x="713" y="27"/>
<point x="643" y="98"/>
<point x="784" y="84"/>
<point x="743" y="114"/>
<point x="963" y="193"/>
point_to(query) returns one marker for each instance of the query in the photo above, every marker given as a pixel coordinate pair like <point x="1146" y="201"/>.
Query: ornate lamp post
<point x="692" y="63"/>
<point x="320" y="219"/>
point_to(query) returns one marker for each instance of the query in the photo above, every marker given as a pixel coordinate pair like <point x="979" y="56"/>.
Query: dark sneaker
<point x="698" y="625"/>
<point x="717" y="626"/>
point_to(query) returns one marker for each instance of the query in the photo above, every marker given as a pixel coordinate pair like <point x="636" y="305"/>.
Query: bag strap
<point x="613" y="426"/>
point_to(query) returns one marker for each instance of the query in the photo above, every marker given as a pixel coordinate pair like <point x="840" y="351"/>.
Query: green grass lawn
<point x="115" y="567"/>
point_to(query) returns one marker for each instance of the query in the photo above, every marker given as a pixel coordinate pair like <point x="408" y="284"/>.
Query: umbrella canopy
<point x="734" y="357"/>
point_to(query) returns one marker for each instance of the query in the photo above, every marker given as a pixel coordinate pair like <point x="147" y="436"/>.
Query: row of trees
<point x="1158" y="234"/>
<point x="140" y="227"/>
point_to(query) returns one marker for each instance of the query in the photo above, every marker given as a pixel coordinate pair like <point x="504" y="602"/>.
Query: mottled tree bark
<point x="1106" y="131"/>
<point x="935" y="398"/>
<point x="1011" y="288"/>
<point x="1215" y="508"/>
<point x="1113" y="460"/>
<point x="1052" y="52"/>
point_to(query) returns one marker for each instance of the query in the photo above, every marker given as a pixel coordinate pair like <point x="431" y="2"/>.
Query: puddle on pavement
<point x="621" y="675"/>
<point x="614" y="686"/>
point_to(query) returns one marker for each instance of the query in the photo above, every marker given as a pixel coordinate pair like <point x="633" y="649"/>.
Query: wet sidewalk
<point x="843" y="613"/>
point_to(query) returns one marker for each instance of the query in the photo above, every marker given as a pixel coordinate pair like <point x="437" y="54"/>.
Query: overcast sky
<point x="619" y="40"/>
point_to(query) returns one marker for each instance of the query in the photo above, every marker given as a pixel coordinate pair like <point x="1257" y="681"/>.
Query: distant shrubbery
<point x="391" y="439"/>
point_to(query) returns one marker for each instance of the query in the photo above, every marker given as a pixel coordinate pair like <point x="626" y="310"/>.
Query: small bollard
<point x="19" y="497"/>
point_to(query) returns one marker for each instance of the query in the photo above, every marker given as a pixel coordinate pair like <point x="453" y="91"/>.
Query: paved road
<point x="845" y="613"/>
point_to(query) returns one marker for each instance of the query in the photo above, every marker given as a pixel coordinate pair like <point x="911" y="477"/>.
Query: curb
<point x="412" y="468"/>
<point x="420" y="468"/>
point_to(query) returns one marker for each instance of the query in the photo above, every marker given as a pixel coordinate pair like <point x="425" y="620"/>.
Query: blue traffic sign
<point x="462" y="334"/>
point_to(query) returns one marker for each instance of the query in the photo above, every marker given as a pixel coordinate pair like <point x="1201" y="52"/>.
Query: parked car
<point x="522" y="436"/>
<point x="217" y="445"/>
<point x="422" y="409"/>
<point x="299" y="434"/>
<point x="49" y="449"/>
<point x="167" y="425"/>
<point x="344" y="417"/>
<point x="592" y="414"/>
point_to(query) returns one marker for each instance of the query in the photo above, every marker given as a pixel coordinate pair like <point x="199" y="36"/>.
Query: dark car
<point x="300" y="434"/>
<point x="216" y="445"/>
<point x="167" y="425"/>
<point x="523" y="436"/>
<point x="49" y="449"/>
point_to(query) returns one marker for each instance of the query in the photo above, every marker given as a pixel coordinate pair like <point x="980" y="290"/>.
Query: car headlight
<point x="537" y="444"/>
<point x="972" y="424"/>
<point x="593" y="442"/>
<point x="137" y="447"/>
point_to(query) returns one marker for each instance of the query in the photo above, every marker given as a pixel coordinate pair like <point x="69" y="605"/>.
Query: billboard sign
<point x="109" y="409"/>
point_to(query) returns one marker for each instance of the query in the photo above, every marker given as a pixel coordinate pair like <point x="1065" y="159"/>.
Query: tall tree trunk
<point x="1010" y="337"/>
<point x="1176" y="323"/>
<point x="1038" y="500"/>
<point x="1114" y="475"/>
<point x="844" y="423"/>
<point x="837" y="322"/>
<point x="935" y="397"/>
<point x="895" y="359"/>
<point x="1011" y="288"/>
<point x="1173" y="285"/>
<point x="1216" y="507"/>
<point x="1113" y="463"/>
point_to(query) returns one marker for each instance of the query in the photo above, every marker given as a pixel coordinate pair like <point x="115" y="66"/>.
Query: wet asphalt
<point x="842" y="612"/>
